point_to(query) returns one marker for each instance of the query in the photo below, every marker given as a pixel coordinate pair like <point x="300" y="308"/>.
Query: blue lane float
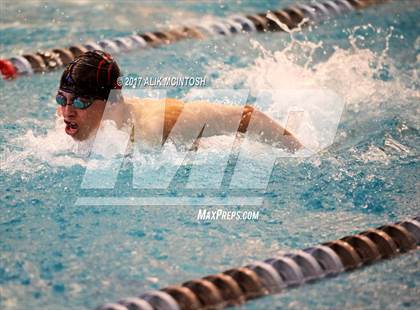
<point x="91" y="45"/>
<point x="288" y="270"/>
<point x="22" y="65"/>
<point x="235" y="286"/>
<point x="292" y="17"/>
<point x="310" y="267"/>
<point x="160" y="300"/>
<point x="327" y="259"/>
<point x="135" y="303"/>
<point x="269" y="277"/>
<point x="112" y="307"/>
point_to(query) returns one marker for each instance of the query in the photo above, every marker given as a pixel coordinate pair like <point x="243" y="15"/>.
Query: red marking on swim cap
<point x="99" y="70"/>
<point x="109" y="71"/>
<point x="7" y="69"/>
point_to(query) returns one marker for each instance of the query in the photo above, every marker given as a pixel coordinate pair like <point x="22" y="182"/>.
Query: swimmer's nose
<point x="68" y="110"/>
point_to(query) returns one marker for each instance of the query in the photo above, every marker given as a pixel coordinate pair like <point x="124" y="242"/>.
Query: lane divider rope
<point x="292" y="17"/>
<point x="235" y="286"/>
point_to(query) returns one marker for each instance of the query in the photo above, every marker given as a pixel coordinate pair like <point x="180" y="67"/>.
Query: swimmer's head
<point x="87" y="83"/>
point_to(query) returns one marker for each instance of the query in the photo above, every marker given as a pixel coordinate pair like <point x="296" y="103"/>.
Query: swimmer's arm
<point x="265" y="129"/>
<point x="223" y="119"/>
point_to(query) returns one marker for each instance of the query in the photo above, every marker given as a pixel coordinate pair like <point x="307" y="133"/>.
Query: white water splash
<point x="28" y="152"/>
<point x="349" y="73"/>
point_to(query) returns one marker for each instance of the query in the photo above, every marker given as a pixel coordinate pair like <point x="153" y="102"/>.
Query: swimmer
<point x="85" y="89"/>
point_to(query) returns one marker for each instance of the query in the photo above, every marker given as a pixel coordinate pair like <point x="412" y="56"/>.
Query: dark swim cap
<point x="92" y="74"/>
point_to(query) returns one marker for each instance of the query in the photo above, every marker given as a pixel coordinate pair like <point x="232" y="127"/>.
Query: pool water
<point x="55" y="254"/>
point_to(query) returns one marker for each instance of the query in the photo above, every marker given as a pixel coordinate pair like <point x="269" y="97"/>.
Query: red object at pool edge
<point x="7" y="69"/>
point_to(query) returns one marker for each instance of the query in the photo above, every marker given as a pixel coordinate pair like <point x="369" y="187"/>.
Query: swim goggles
<point x="77" y="102"/>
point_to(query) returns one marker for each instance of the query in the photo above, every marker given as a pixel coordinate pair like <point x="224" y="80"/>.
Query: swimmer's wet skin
<point x="86" y="85"/>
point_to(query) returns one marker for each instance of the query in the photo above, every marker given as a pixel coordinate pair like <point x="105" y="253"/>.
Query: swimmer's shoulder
<point x="150" y="103"/>
<point x="148" y="116"/>
<point x="145" y="107"/>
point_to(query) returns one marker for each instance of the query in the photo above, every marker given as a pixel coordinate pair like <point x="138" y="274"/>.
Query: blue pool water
<point x="58" y="255"/>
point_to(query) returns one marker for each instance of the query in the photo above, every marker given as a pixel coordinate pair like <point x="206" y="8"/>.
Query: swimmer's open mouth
<point x="71" y="127"/>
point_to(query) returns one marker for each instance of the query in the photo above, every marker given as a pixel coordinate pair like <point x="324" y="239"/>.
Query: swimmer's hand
<point x="265" y="129"/>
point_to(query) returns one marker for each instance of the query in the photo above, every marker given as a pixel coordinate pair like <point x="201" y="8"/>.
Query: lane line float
<point x="292" y="17"/>
<point x="235" y="286"/>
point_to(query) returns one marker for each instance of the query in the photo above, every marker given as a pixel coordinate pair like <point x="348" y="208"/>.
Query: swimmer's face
<point x="81" y="123"/>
